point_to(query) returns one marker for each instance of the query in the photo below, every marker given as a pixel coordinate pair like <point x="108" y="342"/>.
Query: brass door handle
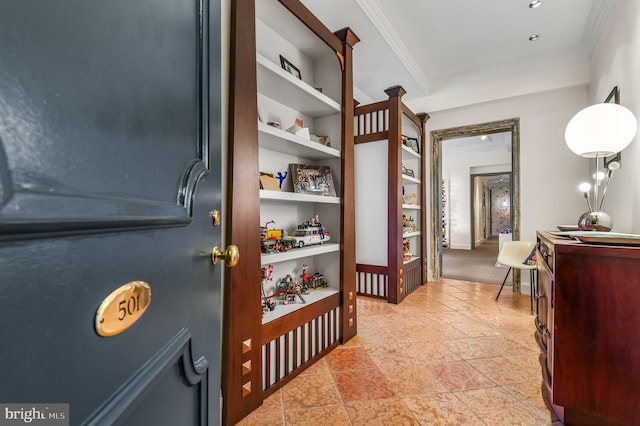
<point x="230" y="256"/>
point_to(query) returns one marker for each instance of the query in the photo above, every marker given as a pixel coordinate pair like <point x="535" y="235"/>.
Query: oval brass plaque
<point x="122" y="308"/>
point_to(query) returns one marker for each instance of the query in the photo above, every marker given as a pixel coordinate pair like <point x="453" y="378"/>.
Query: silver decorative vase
<point x="595" y="221"/>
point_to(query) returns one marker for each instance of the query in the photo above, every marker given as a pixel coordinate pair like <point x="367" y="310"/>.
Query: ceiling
<point x="437" y="46"/>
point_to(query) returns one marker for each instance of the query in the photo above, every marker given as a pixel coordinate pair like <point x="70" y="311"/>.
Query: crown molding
<point x="380" y="19"/>
<point x="600" y="12"/>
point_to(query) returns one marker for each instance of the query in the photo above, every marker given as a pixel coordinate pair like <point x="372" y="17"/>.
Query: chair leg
<point x="532" y="286"/>
<point x="504" y="281"/>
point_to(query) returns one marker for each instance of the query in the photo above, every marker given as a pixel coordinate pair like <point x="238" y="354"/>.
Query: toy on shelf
<point x="408" y="224"/>
<point x="305" y="277"/>
<point x="274" y="240"/>
<point x="309" y="233"/>
<point x="317" y="281"/>
<point x="406" y="249"/>
<point x="281" y="177"/>
<point x="286" y="292"/>
<point x="312" y="282"/>
<point x="267" y="275"/>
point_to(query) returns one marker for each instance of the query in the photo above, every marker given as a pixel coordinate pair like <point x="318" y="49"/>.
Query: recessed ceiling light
<point x="535" y="3"/>
<point x="534" y="37"/>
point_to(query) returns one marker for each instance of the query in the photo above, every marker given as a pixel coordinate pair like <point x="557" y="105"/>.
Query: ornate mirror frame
<point x="435" y="167"/>
<point x="613" y="96"/>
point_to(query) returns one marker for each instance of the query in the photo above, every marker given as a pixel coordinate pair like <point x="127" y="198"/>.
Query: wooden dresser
<point x="588" y="329"/>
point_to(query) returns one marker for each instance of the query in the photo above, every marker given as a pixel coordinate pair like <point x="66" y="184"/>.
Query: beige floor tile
<point x="429" y="350"/>
<point x="362" y="385"/>
<point x="380" y="413"/>
<point x="447" y="355"/>
<point x="441" y="410"/>
<point x="349" y="359"/>
<point x="270" y="419"/>
<point x="508" y="369"/>
<point x="496" y="406"/>
<point x="531" y="394"/>
<point x="460" y="375"/>
<point x="470" y="348"/>
<point x="326" y="416"/>
<point x="272" y="404"/>
<point x="319" y="367"/>
<point x="409" y="377"/>
<point x="315" y="390"/>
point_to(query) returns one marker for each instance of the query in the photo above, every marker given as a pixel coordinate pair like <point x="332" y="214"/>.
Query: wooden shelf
<point x="312" y="297"/>
<point x="410" y="151"/>
<point x="410" y="260"/>
<point x="299" y="253"/>
<point x="265" y="194"/>
<point x="263" y="32"/>
<point x="279" y="85"/>
<point x="406" y="178"/>
<point x="411" y="234"/>
<point x="410" y="207"/>
<point x="399" y="168"/>
<point x="282" y="141"/>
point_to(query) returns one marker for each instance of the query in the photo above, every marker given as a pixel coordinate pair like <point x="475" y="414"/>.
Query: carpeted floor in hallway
<point x="477" y="265"/>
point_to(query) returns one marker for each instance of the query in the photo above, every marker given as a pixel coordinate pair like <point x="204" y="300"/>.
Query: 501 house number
<point x="129" y="306"/>
<point x="122" y="308"/>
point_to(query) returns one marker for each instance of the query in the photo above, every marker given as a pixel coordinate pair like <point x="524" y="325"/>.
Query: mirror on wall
<point x="504" y="132"/>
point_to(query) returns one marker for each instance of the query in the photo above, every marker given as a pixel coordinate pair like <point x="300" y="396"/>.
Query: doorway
<point x="438" y="205"/>
<point x="490" y="206"/>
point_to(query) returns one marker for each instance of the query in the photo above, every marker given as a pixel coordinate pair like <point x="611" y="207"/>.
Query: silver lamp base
<point x="595" y="221"/>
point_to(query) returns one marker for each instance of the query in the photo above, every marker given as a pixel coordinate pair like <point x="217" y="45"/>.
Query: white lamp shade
<point x="601" y="130"/>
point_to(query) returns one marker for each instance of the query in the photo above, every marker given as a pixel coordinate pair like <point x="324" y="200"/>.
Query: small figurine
<point x="282" y="177"/>
<point x="267" y="303"/>
<point x="305" y="278"/>
<point x="406" y="249"/>
<point x="408" y="224"/>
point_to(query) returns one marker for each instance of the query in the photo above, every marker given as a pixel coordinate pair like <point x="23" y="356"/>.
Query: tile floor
<point x="447" y="355"/>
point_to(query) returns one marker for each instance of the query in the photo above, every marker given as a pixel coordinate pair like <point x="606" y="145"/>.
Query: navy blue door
<point x="109" y="174"/>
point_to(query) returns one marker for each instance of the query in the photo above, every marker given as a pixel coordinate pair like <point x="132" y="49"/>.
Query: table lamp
<point x="597" y="131"/>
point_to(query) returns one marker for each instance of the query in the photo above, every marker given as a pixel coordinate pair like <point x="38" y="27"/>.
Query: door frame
<point x="435" y="171"/>
<point x="473" y="200"/>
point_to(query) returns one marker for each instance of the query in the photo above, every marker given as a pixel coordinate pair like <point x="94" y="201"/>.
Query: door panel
<point x="109" y="171"/>
<point x="116" y="83"/>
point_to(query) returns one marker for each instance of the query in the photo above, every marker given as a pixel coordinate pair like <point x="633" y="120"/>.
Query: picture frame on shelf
<point x="269" y="182"/>
<point x="312" y="179"/>
<point x="323" y="140"/>
<point x="289" y="67"/>
<point x="407" y="171"/>
<point x="411" y="143"/>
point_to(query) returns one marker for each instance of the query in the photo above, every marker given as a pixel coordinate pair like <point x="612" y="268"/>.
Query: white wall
<point x="616" y="61"/>
<point x="456" y="170"/>
<point x="549" y="171"/>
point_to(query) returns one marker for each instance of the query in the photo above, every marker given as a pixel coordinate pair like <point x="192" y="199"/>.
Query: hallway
<point x="447" y="355"/>
<point x="477" y="265"/>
